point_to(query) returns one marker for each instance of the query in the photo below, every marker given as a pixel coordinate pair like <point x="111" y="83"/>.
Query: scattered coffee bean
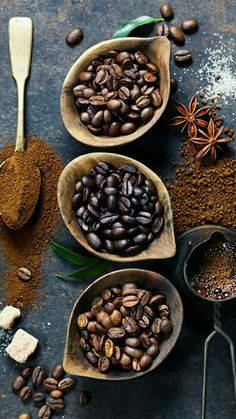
<point x="74" y="37"/>
<point x="56" y="394"/>
<point x="84" y="398"/>
<point x="26" y="393"/>
<point x="45" y="412"/>
<point x="56" y="404"/>
<point x="189" y="26"/>
<point x="166" y="11"/>
<point x="162" y="29"/>
<point x="176" y="35"/>
<point x="50" y="384"/>
<point x="38" y="397"/>
<point x="18" y="383"/>
<point x="26" y="372"/>
<point x="58" y="372"/>
<point x="39" y="375"/>
<point x="66" y="384"/>
<point x="24" y="416"/>
<point x="119" y="212"/>
<point x="183" y="57"/>
<point x="24" y="274"/>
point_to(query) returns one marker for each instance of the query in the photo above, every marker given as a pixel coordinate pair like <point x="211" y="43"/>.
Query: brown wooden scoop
<point x="20" y="179"/>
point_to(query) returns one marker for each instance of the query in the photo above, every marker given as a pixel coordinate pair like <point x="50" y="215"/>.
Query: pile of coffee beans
<point x="124" y="327"/>
<point x="118" y="93"/>
<point x="118" y="209"/>
<point x="176" y="33"/>
<point x="55" y="386"/>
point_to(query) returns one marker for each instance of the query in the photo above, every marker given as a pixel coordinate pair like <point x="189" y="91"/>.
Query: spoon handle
<point x="20" y="44"/>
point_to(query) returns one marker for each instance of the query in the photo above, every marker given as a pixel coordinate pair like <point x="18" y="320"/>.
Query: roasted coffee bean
<point x="26" y="393"/>
<point x="136" y="366"/>
<point x="109" y="348"/>
<point x="26" y="372"/>
<point x="136" y="312"/>
<point x="156" y="98"/>
<point x="66" y="384"/>
<point x="157" y="225"/>
<point x="116" y="318"/>
<point x="145" y="361"/>
<point x="75" y="36"/>
<point x="130" y="291"/>
<point x="24" y="274"/>
<point x="166" y="327"/>
<point x="162" y="30"/>
<point x="85" y="77"/>
<point x="183" y="57"/>
<point x="166" y="11"/>
<point x="125" y="360"/>
<point x="50" y="384"/>
<point x="39" y="375"/>
<point x="156" y="326"/>
<point x="121" y="245"/>
<point x="189" y="26"/>
<point x="153" y="350"/>
<point x="116" y="332"/>
<point x="92" y="358"/>
<point x="116" y="291"/>
<point x="104" y="319"/>
<point x="142" y="101"/>
<point x="45" y="412"/>
<point x="114" y="129"/>
<point x="24" y="416"/>
<point x="163" y="310"/>
<point x="140" y="57"/>
<point x="149" y="312"/>
<point x="106" y="294"/>
<point x="176" y="35"/>
<point x="84" y="398"/>
<point x="130" y="325"/>
<point x="56" y="404"/>
<point x="103" y="364"/>
<point x="98" y="119"/>
<point x="127" y="128"/>
<point x="146" y="114"/>
<point x="84" y="345"/>
<point x="94" y="241"/>
<point x="18" y="383"/>
<point x="159" y="208"/>
<point x="130" y="301"/>
<point x="109" y="307"/>
<point x="132" y="352"/>
<point x="82" y="321"/>
<point x="56" y="394"/>
<point x="129" y="285"/>
<point x="145" y="340"/>
<point x="38" y="397"/>
<point x="133" y="250"/>
<point x="124" y="311"/>
<point x="157" y="300"/>
<point x="133" y="342"/>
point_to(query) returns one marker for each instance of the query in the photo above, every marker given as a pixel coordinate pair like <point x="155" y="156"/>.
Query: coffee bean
<point x="153" y="350"/>
<point x="157" y="300"/>
<point x="162" y="30"/>
<point x="50" y="384"/>
<point x="92" y="358"/>
<point x="106" y="294"/>
<point x="140" y="57"/>
<point x="136" y="366"/>
<point x="159" y="208"/>
<point x="132" y="352"/>
<point x="183" y="57"/>
<point x="103" y="364"/>
<point x="145" y="340"/>
<point x="163" y="310"/>
<point x="129" y="285"/>
<point x="109" y="348"/>
<point x="66" y="384"/>
<point x="26" y="393"/>
<point x="146" y="114"/>
<point x="18" y="383"/>
<point x="74" y="37"/>
<point x="24" y="274"/>
<point x="166" y="11"/>
<point x="189" y="26"/>
<point x="116" y="318"/>
<point x="130" y="325"/>
<point x="133" y="250"/>
<point x="85" y="77"/>
<point x="156" y="326"/>
<point x="104" y="319"/>
<point x="24" y="416"/>
<point x="166" y="327"/>
<point x="26" y="372"/>
<point x="130" y="301"/>
<point x="145" y="361"/>
<point x="156" y="98"/>
<point x="114" y="129"/>
<point x="56" y="404"/>
<point x="44" y="412"/>
<point x="127" y="128"/>
<point x="39" y="375"/>
<point x="116" y="332"/>
<point x="38" y="397"/>
<point x="56" y="394"/>
<point x="84" y="398"/>
<point x="157" y="225"/>
<point x="176" y="35"/>
<point x="82" y="321"/>
<point x="94" y="241"/>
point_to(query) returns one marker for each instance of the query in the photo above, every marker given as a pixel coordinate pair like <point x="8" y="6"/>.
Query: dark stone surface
<point x="173" y="391"/>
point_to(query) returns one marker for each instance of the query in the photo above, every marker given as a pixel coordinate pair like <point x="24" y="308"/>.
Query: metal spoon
<point x="17" y="209"/>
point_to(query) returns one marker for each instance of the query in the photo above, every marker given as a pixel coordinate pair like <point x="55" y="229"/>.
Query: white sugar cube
<point x="22" y="346"/>
<point x="8" y="316"/>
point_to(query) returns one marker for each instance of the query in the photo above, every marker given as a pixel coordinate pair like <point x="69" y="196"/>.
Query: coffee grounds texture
<point x="24" y="247"/>
<point x="202" y="192"/>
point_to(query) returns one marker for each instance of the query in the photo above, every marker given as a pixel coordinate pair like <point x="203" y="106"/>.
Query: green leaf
<point x="86" y="272"/>
<point x="72" y="257"/>
<point x="129" y="25"/>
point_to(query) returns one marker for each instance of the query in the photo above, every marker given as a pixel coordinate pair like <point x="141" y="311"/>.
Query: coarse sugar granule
<point x="24" y="247"/>
<point x="203" y="193"/>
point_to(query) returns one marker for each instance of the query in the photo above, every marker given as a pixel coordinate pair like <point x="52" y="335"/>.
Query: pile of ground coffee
<point x="24" y="247"/>
<point x="202" y="192"/>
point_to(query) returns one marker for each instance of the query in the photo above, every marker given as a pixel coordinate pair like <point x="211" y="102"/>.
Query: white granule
<point x="214" y="75"/>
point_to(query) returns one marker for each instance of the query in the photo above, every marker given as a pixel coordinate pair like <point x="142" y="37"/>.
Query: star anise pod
<point x="191" y="117"/>
<point x="211" y="141"/>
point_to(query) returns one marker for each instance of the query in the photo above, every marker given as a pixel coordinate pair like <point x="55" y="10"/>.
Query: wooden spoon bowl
<point x="163" y="245"/>
<point x="158" y="51"/>
<point x="74" y="359"/>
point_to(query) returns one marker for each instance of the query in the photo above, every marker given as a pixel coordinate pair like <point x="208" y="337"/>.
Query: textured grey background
<point x="173" y="391"/>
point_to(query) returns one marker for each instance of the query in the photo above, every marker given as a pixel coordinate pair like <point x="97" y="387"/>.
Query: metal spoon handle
<point x="20" y="44"/>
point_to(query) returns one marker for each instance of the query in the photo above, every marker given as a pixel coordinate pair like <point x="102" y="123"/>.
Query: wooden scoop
<point x="21" y="185"/>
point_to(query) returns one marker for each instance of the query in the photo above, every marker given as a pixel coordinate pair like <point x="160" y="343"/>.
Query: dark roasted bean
<point x="26" y="393"/>
<point x="56" y="404"/>
<point x="44" y="412"/>
<point x="38" y="397"/>
<point x="39" y="375"/>
<point x="183" y="57"/>
<point x="162" y="30"/>
<point x="166" y="11"/>
<point x="176" y="35"/>
<point x="74" y="37"/>
<point x="116" y="332"/>
<point x="189" y="26"/>
<point x="66" y="384"/>
<point x="18" y="383"/>
<point x="145" y="361"/>
<point x="84" y="398"/>
<point x="50" y="384"/>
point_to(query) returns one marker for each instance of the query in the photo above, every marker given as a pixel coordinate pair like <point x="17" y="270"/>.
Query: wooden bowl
<point x="163" y="245"/>
<point x="157" y="49"/>
<point x="75" y="361"/>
